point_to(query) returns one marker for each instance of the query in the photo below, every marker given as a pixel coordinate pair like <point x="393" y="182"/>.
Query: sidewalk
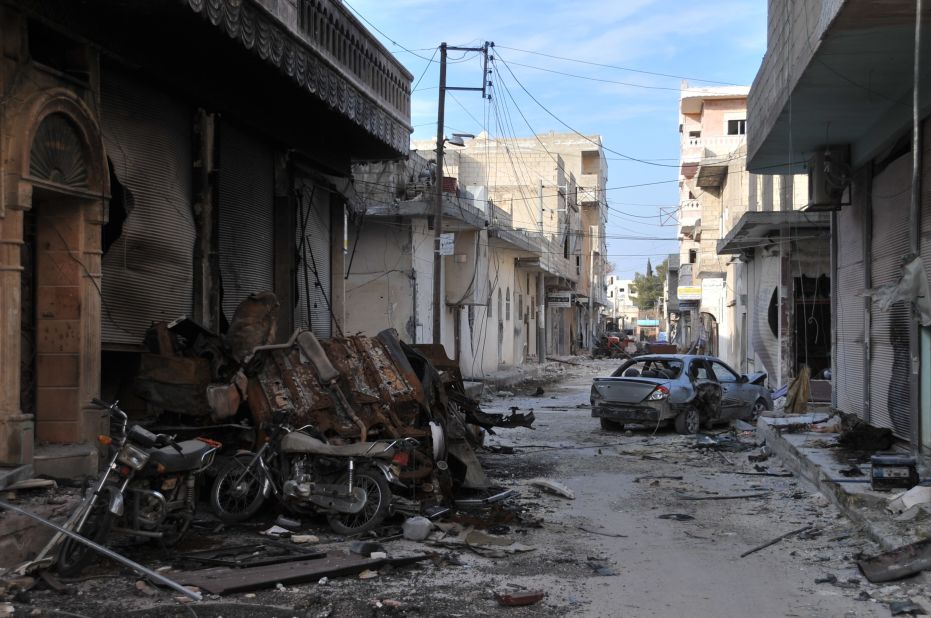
<point x="809" y="455"/>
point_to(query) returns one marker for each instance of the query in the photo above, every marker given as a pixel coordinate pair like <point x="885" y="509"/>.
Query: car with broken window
<point x="683" y="389"/>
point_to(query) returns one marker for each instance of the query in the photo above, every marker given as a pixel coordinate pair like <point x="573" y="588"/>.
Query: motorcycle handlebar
<point x="101" y="403"/>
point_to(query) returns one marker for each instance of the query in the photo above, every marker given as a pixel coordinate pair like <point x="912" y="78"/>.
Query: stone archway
<point x="54" y="204"/>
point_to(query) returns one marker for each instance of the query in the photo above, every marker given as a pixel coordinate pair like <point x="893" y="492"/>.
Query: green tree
<point x="649" y="287"/>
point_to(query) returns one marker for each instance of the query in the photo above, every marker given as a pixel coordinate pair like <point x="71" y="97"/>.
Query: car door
<point x="707" y="389"/>
<point x="736" y="401"/>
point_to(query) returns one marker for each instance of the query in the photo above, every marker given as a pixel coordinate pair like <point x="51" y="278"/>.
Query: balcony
<point x="689" y="213"/>
<point x="322" y="47"/>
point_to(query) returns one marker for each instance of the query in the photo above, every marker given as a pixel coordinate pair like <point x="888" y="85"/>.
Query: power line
<point x="613" y="66"/>
<point x="596" y="79"/>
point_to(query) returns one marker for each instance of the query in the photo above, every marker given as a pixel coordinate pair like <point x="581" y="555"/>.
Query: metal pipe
<point x="914" y="216"/>
<point x="157" y="577"/>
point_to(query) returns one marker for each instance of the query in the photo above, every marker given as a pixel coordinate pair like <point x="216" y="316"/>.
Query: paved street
<point x="606" y="553"/>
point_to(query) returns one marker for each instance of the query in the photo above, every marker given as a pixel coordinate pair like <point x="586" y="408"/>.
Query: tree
<point x="649" y="287"/>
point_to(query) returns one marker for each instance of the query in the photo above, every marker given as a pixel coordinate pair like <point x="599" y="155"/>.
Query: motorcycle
<point x="348" y="483"/>
<point x="146" y="491"/>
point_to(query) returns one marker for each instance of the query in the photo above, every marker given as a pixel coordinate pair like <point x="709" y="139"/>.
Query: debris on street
<point x="553" y="487"/>
<point x="519" y="599"/>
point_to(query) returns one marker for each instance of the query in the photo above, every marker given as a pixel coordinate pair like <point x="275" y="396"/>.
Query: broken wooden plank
<point x="774" y="541"/>
<point x="224" y="580"/>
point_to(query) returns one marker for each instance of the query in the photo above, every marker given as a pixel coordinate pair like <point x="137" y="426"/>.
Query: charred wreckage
<point x="359" y="404"/>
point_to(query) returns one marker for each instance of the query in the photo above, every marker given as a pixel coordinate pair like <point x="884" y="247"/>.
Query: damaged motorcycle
<point x="349" y="483"/>
<point x="148" y="490"/>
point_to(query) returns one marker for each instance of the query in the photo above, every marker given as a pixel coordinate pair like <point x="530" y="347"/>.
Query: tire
<point x="73" y="556"/>
<point x="688" y="422"/>
<point x="609" y="425"/>
<point x="233" y="503"/>
<point x="378" y="500"/>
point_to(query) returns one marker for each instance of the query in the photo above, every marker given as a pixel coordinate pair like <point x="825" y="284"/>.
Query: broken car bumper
<point x="641" y="413"/>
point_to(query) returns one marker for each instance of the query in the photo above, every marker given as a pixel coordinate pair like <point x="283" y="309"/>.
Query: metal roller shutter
<point x="849" y="306"/>
<point x="246" y="217"/>
<point x="148" y="270"/>
<point x="313" y="271"/>
<point x="889" y="331"/>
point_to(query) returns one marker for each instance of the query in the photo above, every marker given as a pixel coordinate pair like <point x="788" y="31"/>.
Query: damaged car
<point x="681" y="389"/>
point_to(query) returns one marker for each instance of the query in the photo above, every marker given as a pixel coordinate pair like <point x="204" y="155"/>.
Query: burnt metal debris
<point x="346" y="389"/>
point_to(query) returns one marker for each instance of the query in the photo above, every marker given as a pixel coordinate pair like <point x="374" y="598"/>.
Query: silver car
<point x="685" y="389"/>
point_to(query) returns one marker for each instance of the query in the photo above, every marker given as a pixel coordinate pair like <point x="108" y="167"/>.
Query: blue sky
<point x="716" y="40"/>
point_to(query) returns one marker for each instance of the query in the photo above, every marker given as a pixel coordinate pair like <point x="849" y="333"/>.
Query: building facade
<point x="169" y="160"/>
<point x="852" y="130"/>
<point x="527" y="261"/>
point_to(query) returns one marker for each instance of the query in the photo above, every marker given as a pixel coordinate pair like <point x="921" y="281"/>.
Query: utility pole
<point x="438" y="206"/>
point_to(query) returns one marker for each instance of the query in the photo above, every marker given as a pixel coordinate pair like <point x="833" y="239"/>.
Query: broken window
<point x="507" y="305"/>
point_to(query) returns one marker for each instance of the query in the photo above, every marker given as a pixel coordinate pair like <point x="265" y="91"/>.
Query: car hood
<point x="757" y="377"/>
<point x="626" y="390"/>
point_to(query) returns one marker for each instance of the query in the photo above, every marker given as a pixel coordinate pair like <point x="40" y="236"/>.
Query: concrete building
<point x="820" y="106"/>
<point x="162" y="160"/>
<point x="622" y="310"/>
<point x="525" y="217"/>
<point x="753" y="269"/>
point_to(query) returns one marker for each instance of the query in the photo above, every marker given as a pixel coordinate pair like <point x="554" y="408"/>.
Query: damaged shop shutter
<point x="313" y="267"/>
<point x="889" y="347"/>
<point x="850" y="364"/>
<point x="246" y="217"/>
<point x="148" y="270"/>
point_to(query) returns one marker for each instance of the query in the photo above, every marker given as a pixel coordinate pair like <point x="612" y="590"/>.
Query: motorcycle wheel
<point x="232" y="501"/>
<point x="378" y="499"/>
<point x="73" y="556"/>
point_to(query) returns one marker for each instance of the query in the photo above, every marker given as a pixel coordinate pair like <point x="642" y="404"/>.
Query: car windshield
<point x="668" y="368"/>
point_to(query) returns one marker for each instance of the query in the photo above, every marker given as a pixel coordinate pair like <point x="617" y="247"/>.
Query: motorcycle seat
<point x="297" y="442"/>
<point x="190" y="458"/>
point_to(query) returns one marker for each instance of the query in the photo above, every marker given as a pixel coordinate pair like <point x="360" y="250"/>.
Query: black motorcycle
<point x="147" y="490"/>
<point x="349" y="483"/>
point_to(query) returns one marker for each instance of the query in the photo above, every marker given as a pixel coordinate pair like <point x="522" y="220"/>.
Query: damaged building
<point x="864" y="151"/>
<point x="165" y="159"/>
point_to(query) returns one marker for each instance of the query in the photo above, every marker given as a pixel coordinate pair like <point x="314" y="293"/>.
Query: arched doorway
<point x="54" y="214"/>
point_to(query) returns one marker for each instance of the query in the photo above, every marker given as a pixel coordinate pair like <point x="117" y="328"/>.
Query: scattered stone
<point x="830" y="578"/>
<point x="323" y="581"/>
<point x="145" y="589"/>
<point x="376" y="555"/>
<point x="368" y="574"/>
<point x="553" y="487"/>
<point x="504" y="394"/>
<point x="304" y="538"/>
<point x="417" y="528"/>
<point x="249" y="595"/>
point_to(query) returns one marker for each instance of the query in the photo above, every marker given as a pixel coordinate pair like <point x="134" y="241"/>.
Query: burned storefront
<point x="170" y="159"/>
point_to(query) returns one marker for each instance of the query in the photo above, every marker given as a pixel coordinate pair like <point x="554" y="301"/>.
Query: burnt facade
<point x="169" y="158"/>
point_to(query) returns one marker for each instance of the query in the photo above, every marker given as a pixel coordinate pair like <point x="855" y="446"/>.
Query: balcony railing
<point x="335" y="32"/>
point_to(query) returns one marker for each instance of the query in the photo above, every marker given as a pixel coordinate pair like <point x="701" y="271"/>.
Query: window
<point x="722" y="373"/>
<point x="699" y="371"/>
<point x="650" y="368"/>
<point x="737" y="127"/>
<point x="500" y="313"/>
<point x="694" y="133"/>
<point x="693" y="256"/>
<point x="507" y="305"/>
<point x="520" y="306"/>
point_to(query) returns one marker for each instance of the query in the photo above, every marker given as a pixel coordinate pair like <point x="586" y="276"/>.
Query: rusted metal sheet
<point x="382" y="392"/>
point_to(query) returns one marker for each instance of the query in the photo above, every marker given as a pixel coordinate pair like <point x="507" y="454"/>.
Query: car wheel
<point x="688" y="422"/>
<point x="609" y="425"/>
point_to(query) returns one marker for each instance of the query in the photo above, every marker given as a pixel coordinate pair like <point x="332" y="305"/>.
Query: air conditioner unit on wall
<point x="829" y="179"/>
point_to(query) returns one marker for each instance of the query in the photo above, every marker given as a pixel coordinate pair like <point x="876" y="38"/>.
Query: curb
<point x="857" y="508"/>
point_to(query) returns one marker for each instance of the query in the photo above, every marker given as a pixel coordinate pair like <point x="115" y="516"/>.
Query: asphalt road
<point x="608" y="552"/>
